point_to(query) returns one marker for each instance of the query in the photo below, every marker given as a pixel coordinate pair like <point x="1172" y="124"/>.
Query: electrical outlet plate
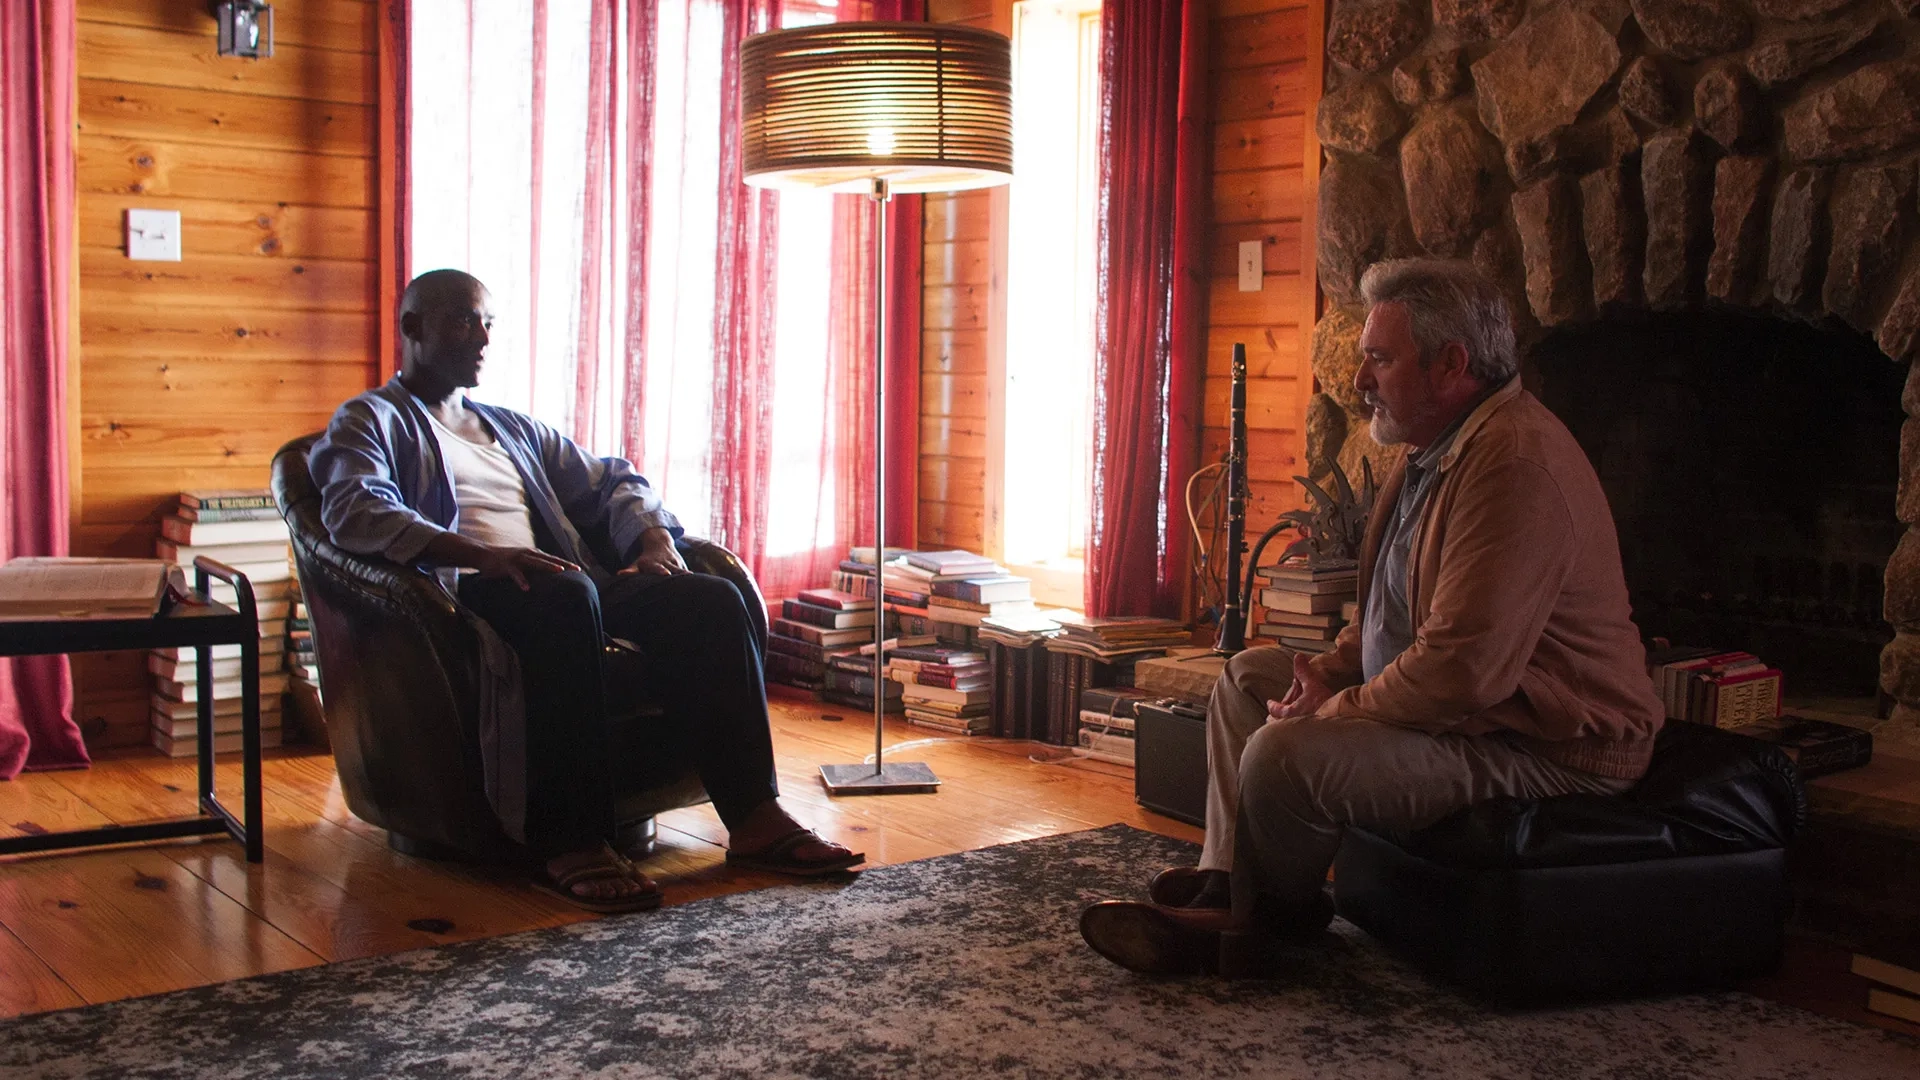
<point x="1250" y="265"/>
<point x="153" y="235"/>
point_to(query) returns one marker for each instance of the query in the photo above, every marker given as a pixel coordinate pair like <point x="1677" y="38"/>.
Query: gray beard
<point x="1385" y="430"/>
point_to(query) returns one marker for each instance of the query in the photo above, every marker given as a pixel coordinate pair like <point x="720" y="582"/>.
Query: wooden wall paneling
<point x="1273" y="352"/>
<point x="312" y="336"/>
<point x="137" y="110"/>
<point x="236" y="227"/>
<point x="324" y="24"/>
<point x="225" y="282"/>
<point x="962" y="302"/>
<point x="198" y="171"/>
<point x="144" y="54"/>
<point x="192" y="373"/>
<point x="1272" y="195"/>
<point x="1265" y="86"/>
<point x="1279" y="246"/>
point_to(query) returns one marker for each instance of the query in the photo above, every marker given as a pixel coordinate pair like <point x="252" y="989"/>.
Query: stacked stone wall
<point x="1600" y="157"/>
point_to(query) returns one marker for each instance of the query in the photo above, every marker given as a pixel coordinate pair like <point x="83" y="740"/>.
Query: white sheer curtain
<point x="503" y="175"/>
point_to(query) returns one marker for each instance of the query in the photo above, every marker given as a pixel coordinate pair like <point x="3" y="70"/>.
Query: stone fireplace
<point x="1704" y="213"/>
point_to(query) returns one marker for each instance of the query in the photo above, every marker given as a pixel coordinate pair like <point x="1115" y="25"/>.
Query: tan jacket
<point x="1519" y="605"/>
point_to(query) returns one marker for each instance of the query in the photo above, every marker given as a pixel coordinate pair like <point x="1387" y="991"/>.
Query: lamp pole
<point x="879" y="195"/>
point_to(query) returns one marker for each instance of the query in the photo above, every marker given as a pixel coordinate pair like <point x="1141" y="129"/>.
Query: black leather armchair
<point x="400" y="679"/>
<point x="1679" y="882"/>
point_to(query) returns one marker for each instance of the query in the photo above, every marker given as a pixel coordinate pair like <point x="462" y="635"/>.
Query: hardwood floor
<point x="84" y="927"/>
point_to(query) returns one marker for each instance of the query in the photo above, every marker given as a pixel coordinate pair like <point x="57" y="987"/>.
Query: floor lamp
<point x="877" y="108"/>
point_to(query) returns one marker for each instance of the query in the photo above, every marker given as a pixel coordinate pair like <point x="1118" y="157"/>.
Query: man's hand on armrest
<point x="657" y="555"/>
<point x="452" y="549"/>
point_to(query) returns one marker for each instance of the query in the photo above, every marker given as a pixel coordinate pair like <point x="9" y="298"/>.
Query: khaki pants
<point x="1280" y="794"/>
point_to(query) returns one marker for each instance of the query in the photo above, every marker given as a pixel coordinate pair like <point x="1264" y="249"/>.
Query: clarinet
<point x="1233" y="613"/>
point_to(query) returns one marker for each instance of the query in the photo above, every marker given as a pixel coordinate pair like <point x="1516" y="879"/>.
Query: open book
<point x="55" y="588"/>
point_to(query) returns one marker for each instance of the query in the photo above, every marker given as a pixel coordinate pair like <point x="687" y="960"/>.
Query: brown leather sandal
<point x="778" y="857"/>
<point x="614" y="867"/>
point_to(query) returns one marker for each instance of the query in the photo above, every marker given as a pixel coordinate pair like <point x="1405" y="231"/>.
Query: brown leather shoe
<point x="1149" y="939"/>
<point x="1181" y="886"/>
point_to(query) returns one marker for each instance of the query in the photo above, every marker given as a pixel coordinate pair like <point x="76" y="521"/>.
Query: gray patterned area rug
<point x="967" y="965"/>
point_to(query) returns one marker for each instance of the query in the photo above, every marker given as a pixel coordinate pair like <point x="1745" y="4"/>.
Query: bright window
<point x="477" y="205"/>
<point x="1046" y="389"/>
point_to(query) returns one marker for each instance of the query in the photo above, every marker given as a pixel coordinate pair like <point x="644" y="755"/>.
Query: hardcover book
<point x="1817" y="747"/>
<point x="813" y="615"/>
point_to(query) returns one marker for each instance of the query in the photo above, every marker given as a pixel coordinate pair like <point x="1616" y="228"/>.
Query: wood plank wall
<point x="1264" y="82"/>
<point x="1265" y="170"/>
<point x="958" y="286"/>
<point x="191" y="374"/>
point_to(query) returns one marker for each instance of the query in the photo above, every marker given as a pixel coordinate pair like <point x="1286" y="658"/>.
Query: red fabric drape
<point x="743" y="318"/>
<point x="1150" y="321"/>
<point x="395" y="112"/>
<point x="36" y="236"/>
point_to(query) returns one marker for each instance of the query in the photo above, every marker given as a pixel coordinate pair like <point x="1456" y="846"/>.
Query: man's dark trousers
<point x="702" y="664"/>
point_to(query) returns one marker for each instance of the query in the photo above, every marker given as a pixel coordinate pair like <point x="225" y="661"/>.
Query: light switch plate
<point x="153" y="235"/>
<point x="1250" y="265"/>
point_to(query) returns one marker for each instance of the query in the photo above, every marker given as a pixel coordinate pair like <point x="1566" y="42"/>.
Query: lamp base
<point x="894" y="778"/>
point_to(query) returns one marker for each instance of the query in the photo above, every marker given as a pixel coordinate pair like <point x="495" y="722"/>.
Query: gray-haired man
<point x="1495" y="653"/>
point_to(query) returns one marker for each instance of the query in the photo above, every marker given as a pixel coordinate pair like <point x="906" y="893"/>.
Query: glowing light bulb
<point x="880" y="141"/>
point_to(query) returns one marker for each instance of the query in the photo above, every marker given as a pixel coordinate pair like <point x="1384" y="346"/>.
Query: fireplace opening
<point x="1751" y="465"/>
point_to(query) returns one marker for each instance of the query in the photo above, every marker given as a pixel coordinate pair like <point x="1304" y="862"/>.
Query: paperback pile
<point x="1107" y="722"/>
<point x="944" y="593"/>
<point x="1896" y="991"/>
<point x="813" y="629"/>
<point x="1115" y="637"/>
<point x="1090" y="652"/>
<point x="243" y="530"/>
<point x="964" y="590"/>
<point x="905" y="599"/>
<point x="1302" y="606"/>
<point x="1714" y="687"/>
<point x="849" y="680"/>
<point x="944" y="687"/>
<point x="300" y="655"/>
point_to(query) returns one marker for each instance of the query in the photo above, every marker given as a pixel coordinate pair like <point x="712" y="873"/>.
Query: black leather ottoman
<point x="1678" y="883"/>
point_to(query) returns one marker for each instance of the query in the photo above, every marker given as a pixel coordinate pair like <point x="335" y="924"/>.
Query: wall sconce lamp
<point x="246" y="28"/>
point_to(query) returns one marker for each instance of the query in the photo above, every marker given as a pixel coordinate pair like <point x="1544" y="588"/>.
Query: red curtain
<point x="395" y="98"/>
<point x="1150" y="320"/>
<point x="743" y="315"/>
<point x="36" y="235"/>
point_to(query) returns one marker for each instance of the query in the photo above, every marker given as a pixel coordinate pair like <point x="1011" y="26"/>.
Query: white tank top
<point x="486" y="488"/>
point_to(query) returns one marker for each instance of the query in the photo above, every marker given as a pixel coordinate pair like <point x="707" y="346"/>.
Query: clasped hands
<point x="1308" y="693"/>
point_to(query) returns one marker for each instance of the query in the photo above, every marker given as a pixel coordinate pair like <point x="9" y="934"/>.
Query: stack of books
<point x="301" y="666"/>
<point x="1089" y="653"/>
<point x="813" y="628"/>
<point x="962" y="589"/>
<point x="961" y="606"/>
<point x="1715" y="687"/>
<point x="1133" y="636"/>
<point x="244" y="530"/>
<point x="905" y="598"/>
<point x="1896" y="989"/>
<point x="1302" y="605"/>
<point x="1107" y="723"/>
<point x="1016" y="648"/>
<point x="944" y="687"/>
